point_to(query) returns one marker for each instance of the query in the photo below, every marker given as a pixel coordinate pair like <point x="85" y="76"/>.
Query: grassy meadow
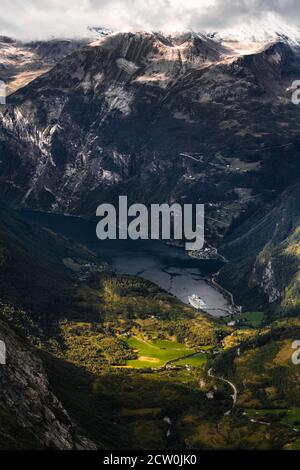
<point x="156" y="353"/>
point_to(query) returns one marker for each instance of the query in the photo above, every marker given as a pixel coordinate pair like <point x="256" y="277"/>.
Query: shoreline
<point x="226" y="293"/>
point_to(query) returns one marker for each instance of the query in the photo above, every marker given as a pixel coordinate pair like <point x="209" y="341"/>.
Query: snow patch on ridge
<point x="117" y="98"/>
<point x="254" y="33"/>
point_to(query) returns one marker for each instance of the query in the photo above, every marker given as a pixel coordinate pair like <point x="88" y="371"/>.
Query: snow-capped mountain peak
<point x="268" y="30"/>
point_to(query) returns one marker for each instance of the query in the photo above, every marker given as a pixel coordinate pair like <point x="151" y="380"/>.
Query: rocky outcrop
<point x="26" y="394"/>
<point x="268" y="284"/>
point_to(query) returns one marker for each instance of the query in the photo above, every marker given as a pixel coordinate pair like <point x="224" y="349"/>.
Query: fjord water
<point x="167" y="266"/>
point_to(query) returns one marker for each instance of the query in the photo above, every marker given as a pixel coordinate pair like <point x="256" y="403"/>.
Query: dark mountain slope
<point x="264" y="257"/>
<point x="158" y="118"/>
<point x="31" y="415"/>
<point x="33" y="275"/>
<point x="21" y="62"/>
<point x="34" y="285"/>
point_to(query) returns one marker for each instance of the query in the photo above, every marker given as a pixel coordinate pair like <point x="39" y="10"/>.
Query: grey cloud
<point x="35" y="19"/>
<point x="231" y="13"/>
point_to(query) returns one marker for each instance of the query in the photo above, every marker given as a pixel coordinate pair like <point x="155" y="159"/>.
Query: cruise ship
<point x="197" y="302"/>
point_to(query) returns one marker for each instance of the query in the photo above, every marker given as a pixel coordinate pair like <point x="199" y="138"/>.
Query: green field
<point x="290" y="417"/>
<point x="253" y="319"/>
<point x="194" y="361"/>
<point x="156" y="353"/>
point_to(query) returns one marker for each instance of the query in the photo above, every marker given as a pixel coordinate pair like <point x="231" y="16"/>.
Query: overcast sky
<point x="70" y="18"/>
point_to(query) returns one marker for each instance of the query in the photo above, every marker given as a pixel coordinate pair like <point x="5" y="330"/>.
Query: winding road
<point x="235" y="391"/>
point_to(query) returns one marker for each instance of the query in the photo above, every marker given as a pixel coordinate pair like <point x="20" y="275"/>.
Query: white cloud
<point x="69" y="18"/>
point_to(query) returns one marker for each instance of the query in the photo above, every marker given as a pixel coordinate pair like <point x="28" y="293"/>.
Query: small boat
<point x="197" y="302"/>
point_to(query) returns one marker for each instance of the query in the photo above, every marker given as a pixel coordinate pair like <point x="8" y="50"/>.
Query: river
<point x="169" y="267"/>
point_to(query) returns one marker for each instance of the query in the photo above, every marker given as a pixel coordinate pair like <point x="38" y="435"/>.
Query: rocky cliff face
<point x="26" y="394"/>
<point x="263" y="254"/>
<point x="35" y="290"/>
